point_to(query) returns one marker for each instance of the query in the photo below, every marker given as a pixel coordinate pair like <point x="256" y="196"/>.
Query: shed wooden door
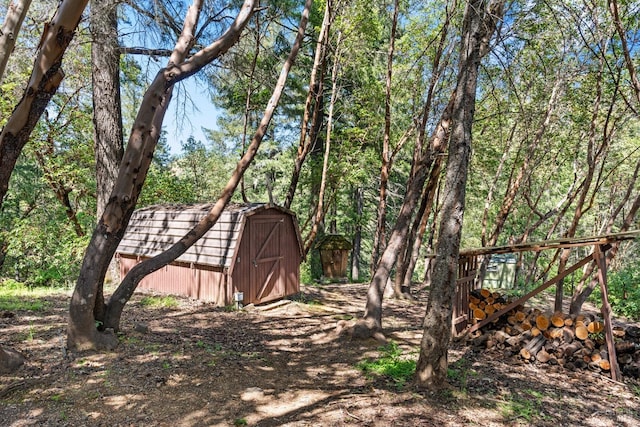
<point x="267" y="272"/>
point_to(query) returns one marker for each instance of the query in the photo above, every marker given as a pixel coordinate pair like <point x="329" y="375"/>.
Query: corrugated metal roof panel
<point x="154" y="229"/>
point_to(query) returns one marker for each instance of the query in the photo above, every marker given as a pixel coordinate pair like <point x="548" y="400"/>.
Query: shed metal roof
<point x="155" y="228"/>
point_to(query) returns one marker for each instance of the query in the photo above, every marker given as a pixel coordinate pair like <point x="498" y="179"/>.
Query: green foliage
<point x="624" y="292"/>
<point x="390" y="364"/>
<point x="305" y="273"/>
<point x="16" y="296"/>
<point x="42" y="249"/>
<point x="159" y="302"/>
<point x="527" y="407"/>
<point x="41" y="246"/>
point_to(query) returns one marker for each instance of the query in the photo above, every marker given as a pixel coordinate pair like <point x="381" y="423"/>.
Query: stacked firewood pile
<point x="573" y="342"/>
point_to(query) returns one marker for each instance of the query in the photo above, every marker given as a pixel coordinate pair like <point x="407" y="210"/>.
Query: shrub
<point x="624" y="292"/>
<point x="390" y="365"/>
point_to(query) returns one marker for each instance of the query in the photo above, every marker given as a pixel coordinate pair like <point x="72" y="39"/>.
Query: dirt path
<point x="196" y="365"/>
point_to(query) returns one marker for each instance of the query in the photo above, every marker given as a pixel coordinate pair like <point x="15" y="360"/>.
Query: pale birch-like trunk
<point x="16" y="12"/>
<point x="310" y="122"/>
<point x="82" y="332"/>
<point x="44" y="81"/>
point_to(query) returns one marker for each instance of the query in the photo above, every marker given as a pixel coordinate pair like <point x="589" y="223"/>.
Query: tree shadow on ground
<point x="198" y="365"/>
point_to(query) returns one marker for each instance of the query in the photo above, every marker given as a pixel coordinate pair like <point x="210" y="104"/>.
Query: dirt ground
<point x="281" y="365"/>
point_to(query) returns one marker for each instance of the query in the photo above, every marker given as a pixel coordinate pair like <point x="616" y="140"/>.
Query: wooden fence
<point x="467" y="269"/>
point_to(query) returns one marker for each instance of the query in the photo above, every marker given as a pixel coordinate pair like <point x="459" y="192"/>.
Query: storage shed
<point x="334" y="255"/>
<point x="254" y="249"/>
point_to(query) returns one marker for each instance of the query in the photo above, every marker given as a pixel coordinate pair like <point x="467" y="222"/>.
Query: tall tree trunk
<point x="421" y="221"/>
<point x="81" y="332"/>
<point x="514" y="185"/>
<point x="480" y="20"/>
<point x="422" y="162"/>
<point x="379" y="237"/>
<point x="80" y="335"/>
<point x="372" y="319"/>
<point x="358" y="199"/>
<point x="308" y="131"/>
<point x="247" y="105"/>
<point x="584" y="288"/>
<point x="45" y="79"/>
<point x="320" y="211"/>
<point x="411" y="248"/>
<point x="107" y="110"/>
<point x="16" y="12"/>
<point x="595" y="154"/>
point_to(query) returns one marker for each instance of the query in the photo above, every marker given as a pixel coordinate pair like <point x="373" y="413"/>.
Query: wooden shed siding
<point x="197" y="281"/>
<point x="261" y="258"/>
<point x="283" y="274"/>
<point x="153" y="230"/>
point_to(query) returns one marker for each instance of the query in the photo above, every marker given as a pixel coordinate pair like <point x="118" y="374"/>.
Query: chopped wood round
<point x="543" y="356"/>
<point x="555" y="333"/>
<point x="524" y="353"/>
<point x="604" y="364"/>
<point x="581" y="332"/>
<point x="479" y="314"/>
<point x="557" y="320"/>
<point x="542" y="322"/>
<point x="619" y="332"/>
<point x="595" y="327"/>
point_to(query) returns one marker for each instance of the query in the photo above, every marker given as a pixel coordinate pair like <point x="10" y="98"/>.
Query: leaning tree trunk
<point x="421" y="221"/>
<point x="372" y="319"/>
<point x="45" y="79"/>
<point x="585" y="289"/>
<point x="107" y="111"/>
<point x="409" y="255"/>
<point x="82" y="332"/>
<point x="320" y="212"/>
<point x="87" y="336"/>
<point x="584" y="203"/>
<point x="310" y="122"/>
<point x="16" y="11"/>
<point x="379" y="236"/>
<point x="480" y="20"/>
